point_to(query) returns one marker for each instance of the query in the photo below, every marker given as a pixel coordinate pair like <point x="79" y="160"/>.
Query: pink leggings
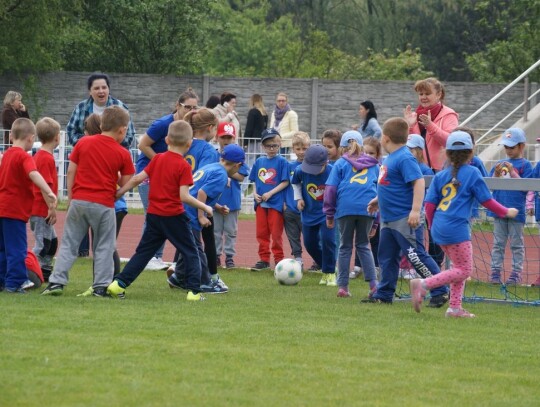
<point x="461" y="256"/>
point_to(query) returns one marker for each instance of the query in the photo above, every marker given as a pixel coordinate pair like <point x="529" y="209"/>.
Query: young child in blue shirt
<point x="291" y="215"/>
<point x="309" y="183"/>
<point x="229" y="204"/>
<point x="504" y="229"/>
<point x="400" y="195"/>
<point x="270" y="175"/>
<point x="351" y="186"/>
<point x="449" y="202"/>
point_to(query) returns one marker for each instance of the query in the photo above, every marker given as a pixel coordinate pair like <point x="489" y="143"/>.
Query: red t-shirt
<point x="99" y="159"/>
<point x="47" y="168"/>
<point x="167" y="171"/>
<point x="16" y="192"/>
<point x="32" y="264"/>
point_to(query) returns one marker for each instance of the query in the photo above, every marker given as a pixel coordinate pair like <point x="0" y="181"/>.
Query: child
<point x="309" y="184"/>
<point x="350" y="187"/>
<point x="400" y="195"/>
<point x="92" y="179"/>
<point x="17" y="175"/>
<point x="515" y="166"/>
<point x="43" y="219"/>
<point x="166" y="218"/>
<point x="331" y="139"/>
<point x="449" y="203"/>
<point x="209" y="183"/>
<point x="226" y="219"/>
<point x="534" y="208"/>
<point x="270" y="176"/>
<point x="291" y="215"/>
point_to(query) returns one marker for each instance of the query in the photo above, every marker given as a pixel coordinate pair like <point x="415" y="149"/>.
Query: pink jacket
<point x="437" y="133"/>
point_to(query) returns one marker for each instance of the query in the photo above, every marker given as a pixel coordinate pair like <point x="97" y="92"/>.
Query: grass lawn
<point x="261" y="344"/>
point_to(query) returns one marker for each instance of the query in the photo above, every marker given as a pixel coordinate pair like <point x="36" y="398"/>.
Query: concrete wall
<point x="320" y="104"/>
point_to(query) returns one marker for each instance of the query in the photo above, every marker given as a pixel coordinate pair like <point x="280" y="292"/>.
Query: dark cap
<point x="269" y="133"/>
<point x="315" y="159"/>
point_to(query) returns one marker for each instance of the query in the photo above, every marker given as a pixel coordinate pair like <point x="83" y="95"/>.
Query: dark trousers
<point x="116" y="257"/>
<point x="175" y="229"/>
<point x="293" y="229"/>
<point x="180" y="269"/>
<point x="13" y="248"/>
<point x="209" y="250"/>
<point x="320" y="243"/>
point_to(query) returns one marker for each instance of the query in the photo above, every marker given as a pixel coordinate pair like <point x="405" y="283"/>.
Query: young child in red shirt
<point x="42" y="222"/>
<point x="17" y="175"/>
<point x="91" y="181"/>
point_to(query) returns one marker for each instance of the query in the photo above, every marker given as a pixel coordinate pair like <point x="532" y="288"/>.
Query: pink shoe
<point x="344" y="292"/>
<point x="460" y="313"/>
<point x="417" y="293"/>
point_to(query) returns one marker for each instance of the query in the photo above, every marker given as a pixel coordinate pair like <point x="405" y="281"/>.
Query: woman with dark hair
<point x="370" y="125"/>
<point x="225" y="112"/>
<point x="12" y="110"/>
<point x="212" y="102"/>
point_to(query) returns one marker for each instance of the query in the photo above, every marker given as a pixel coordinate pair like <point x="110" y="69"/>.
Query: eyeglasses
<point x="510" y="148"/>
<point x="188" y="107"/>
<point x="271" y="146"/>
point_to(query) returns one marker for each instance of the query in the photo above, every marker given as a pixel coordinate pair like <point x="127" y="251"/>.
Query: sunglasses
<point x="271" y="146"/>
<point x="188" y="107"/>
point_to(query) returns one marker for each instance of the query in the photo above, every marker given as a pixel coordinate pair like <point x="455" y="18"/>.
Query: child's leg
<point x="144" y="190"/>
<point x="45" y="240"/>
<point x="517" y="245"/>
<point x="461" y="256"/>
<point x="75" y="228"/>
<point x="103" y="222"/>
<point x="116" y="257"/>
<point x="293" y="230"/>
<point x="275" y="222"/>
<point x="262" y="231"/>
<point x="346" y="235"/>
<point x="15" y="244"/>
<point x="389" y="256"/>
<point x="328" y="244"/>
<point x="362" y="229"/>
<point x="312" y="243"/>
<point x="500" y="235"/>
<point x="230" y="226"/>
<point x="219" y="222"/>
<point x="205" y="271"/>
<point x="3" y="258"/>
<point x="374" y="243"/>
<point x="210" y="247"/>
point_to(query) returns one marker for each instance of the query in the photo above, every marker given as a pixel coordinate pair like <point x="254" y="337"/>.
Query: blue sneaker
<point x="214" y="288"/>
<point x="175" y="283"/>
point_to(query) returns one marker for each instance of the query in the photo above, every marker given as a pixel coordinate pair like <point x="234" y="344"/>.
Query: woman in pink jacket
<point x="433" y="120"/>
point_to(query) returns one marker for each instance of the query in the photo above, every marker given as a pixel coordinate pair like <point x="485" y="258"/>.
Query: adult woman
<point x="257" y="121"/>
<point x="369" y="125"/>
<point x="225" y="112"/>
<point x="284" y="120"/>
<point x="152" y="143"/>
<point x="12" y="110"/>
<point x="432" y="120"/>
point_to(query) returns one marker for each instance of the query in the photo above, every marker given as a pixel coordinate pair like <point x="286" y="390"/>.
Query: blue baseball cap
<point x="269" y="133"/>
<point x="350" y="135"/>
<point x="315" y="159"/>
<point x="459" y="140"/>
<point x="512" y="137"/>
<point x="416" y="141"/>
<point x="233" y="153"/>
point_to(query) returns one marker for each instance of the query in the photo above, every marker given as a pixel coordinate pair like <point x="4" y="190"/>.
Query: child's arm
<point x="239" y="177"/>
<point x="499" y="210"/>
<point x="223" y="209"/>
<point x="203" y="220"/>
<point x="373" y="205"/>
<point x="128" y="182"/>
<point x="297" y="194"/>
<point x="419" y="190"/>
<point x="189" y="200"/>
<point x="48" y="194"/>
<point x="70" y="178"/>
<point x="280" y="187"/>
<point x="329" y="204"/>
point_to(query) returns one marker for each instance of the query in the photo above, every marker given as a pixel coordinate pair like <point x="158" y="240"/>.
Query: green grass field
<point x="261" y="344"/>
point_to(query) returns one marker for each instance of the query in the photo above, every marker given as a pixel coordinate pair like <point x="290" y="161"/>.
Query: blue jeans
<point x="504" y="230"/>
<point x="144" y="189"/>
<point x="320" y="243"/>
<point x="13" y="248"/>
<point x="397" y="237"/>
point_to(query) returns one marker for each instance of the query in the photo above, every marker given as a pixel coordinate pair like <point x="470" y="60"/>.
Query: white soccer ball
<point x="288" y="272"/>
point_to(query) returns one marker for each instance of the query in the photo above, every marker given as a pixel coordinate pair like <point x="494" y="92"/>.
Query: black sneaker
<point x="372" y="300"/>
<point x="101" y="292"/>
<point x="438" y="301"/>
<point x="53" y="289"/>
<point x="214" y="288"/>
<point x="229" y="263"/>
<point x="261" y="265"/>
<point x="175" y="282"/>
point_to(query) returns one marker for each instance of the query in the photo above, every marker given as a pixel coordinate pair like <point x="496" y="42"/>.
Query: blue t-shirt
<point x="157" y="131"/>
<point x="395" y="188"/>
<point x="355" y="188"/>
<point x="289" y="193"/>
<point x="425" y="169"/>
<point x="313" y="194"/>
<point x="232" y="195"/>
<point x="212" y="179"/>
<point x="372" y="129"/>
<point x="513" y="199"/>
<point x="477" y="163"/>
<point x="536" y="174"/>
<point x="200" y="154"/>
<point x="267" y="173"/>
<point x="454" y="205"/>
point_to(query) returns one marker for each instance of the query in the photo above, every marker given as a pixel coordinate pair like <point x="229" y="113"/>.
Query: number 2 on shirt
<point x="449" y="192"/>
<point x="361" y="177"/>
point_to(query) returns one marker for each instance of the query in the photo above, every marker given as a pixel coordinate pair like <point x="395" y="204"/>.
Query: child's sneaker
<point x="515" y="278"/>
<point x="299" y="260"/>
<point x="115" y="291"/>
<point x="459" y="313"/>
<point x="417" y="293"/>
<point x="156" y="263"/>
<point x="324" y="279"/>
<point x="27" y="284"/>
<point x="355" y="272"/>
<point x="331" y="280"/>
<point x="101" y="292"/>
<point x="18" y="290"/>
<point x="314" y="268"/>
<point x="495" y="278"/>
<point x="87" y="293"/>
<point x="438" y="301"/>
<point x="260" y="265"/>
<point x="229" y="263"/>
<point x="53" y="289"/>
<point x="174" y="282"/>
<point x="343" y="292"/>
<point x="194" y="297"/>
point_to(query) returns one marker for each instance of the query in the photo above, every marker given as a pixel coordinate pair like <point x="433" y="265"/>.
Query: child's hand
<point x="414" y="219"/>
<point x="498" y="170"/>
<point x="209" y="211"/>
<point x="512" y="213"/>
<point x="50" y="198"/>
<point x="373" y="206"/>
<point x="300" y="205"/>
<point x="257" y="198"/>
<point x="372" y="232"/>
<point x="204" y="221"/>
<point x="224" y="210"/>
<point x="330" y="223"/>
<point x="266" y="196"/>
<point x="51" y="217"/>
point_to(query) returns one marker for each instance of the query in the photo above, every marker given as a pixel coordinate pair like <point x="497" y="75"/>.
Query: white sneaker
<point x="156" y="263"/>
<point x="356" y="272"/>
<point x="408" y="274"/>
<point x="27" y="284"/>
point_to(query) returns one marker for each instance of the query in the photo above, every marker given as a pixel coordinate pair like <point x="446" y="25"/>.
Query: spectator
<point x="225" y="112"/>
<point x="369" y="125"/>
<point x="257" y="122"/>
<point x="12" y="110"/>
<point x="212" y="102"/>
<point x="284" y="120"/>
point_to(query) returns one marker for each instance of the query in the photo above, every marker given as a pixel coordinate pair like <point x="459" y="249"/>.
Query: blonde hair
<point x="353" y="148"/>
<point x="92" y="124"/>
<point x="396" y="129"/>
<point x="11" y="97"/>
<point x="256" y="101"/>
<point x="418" y="153"/>
<point x="22" y="128"/>
<point x="201" y="119"/>
<point x="47" y="129"/>
<point x="375" y="143"/>
<point x="113" y="118"/>
<point x="283" y="94"/>
<point x="179" y="133"/>
<point x="429" y="84"/>
<point x="300" y="138"/>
